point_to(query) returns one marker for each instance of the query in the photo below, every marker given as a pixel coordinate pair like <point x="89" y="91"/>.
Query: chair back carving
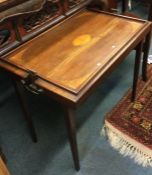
<point x="24" y="19"/>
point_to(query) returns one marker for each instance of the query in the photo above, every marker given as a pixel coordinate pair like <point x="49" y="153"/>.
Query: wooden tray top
<point x="75" y="51"/>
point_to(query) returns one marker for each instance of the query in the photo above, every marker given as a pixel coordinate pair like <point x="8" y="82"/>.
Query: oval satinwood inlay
<point x="81" y="40"/>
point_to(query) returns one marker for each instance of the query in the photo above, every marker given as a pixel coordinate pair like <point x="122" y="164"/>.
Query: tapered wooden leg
<point x="21" y="96"/>
<point x="136" y="69"/>
<point x="145" y="56"/>
<point x="71" y="129"/>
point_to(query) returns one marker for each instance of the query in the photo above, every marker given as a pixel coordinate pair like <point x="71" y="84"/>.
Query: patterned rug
<point x="128" y="126"/>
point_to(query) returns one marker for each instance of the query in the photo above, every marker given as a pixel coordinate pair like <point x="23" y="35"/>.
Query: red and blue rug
<point x="129" y="125"/>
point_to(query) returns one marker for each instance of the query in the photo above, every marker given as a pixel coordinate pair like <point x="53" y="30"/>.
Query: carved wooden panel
<point x="25" y="19"/>
<point x="6" y="4"/>
<point x="34" y="21"/>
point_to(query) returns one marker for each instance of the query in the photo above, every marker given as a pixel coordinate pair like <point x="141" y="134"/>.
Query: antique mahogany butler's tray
<point x="70" y="59"/>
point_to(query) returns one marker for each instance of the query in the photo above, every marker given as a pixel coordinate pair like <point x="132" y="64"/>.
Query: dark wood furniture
<point x="125" y="8"/>
<point x="69" y="60"/>
<point x="148" y="40"/>
<point x="22" y="20"/>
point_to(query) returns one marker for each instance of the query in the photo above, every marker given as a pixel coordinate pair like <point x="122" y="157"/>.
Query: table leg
<point x="145" y="56"/>
<point x="136" y="69"/>
<point x="71" y="129"/>
<point x="21" y="96"/>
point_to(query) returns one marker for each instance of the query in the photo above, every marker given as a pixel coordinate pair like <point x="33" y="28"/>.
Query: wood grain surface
<point x="3" y="169"/>
<point x="3" y="1"/>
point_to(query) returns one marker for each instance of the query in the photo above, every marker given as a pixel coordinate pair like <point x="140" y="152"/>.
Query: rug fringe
<point x="127" y="146"/>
